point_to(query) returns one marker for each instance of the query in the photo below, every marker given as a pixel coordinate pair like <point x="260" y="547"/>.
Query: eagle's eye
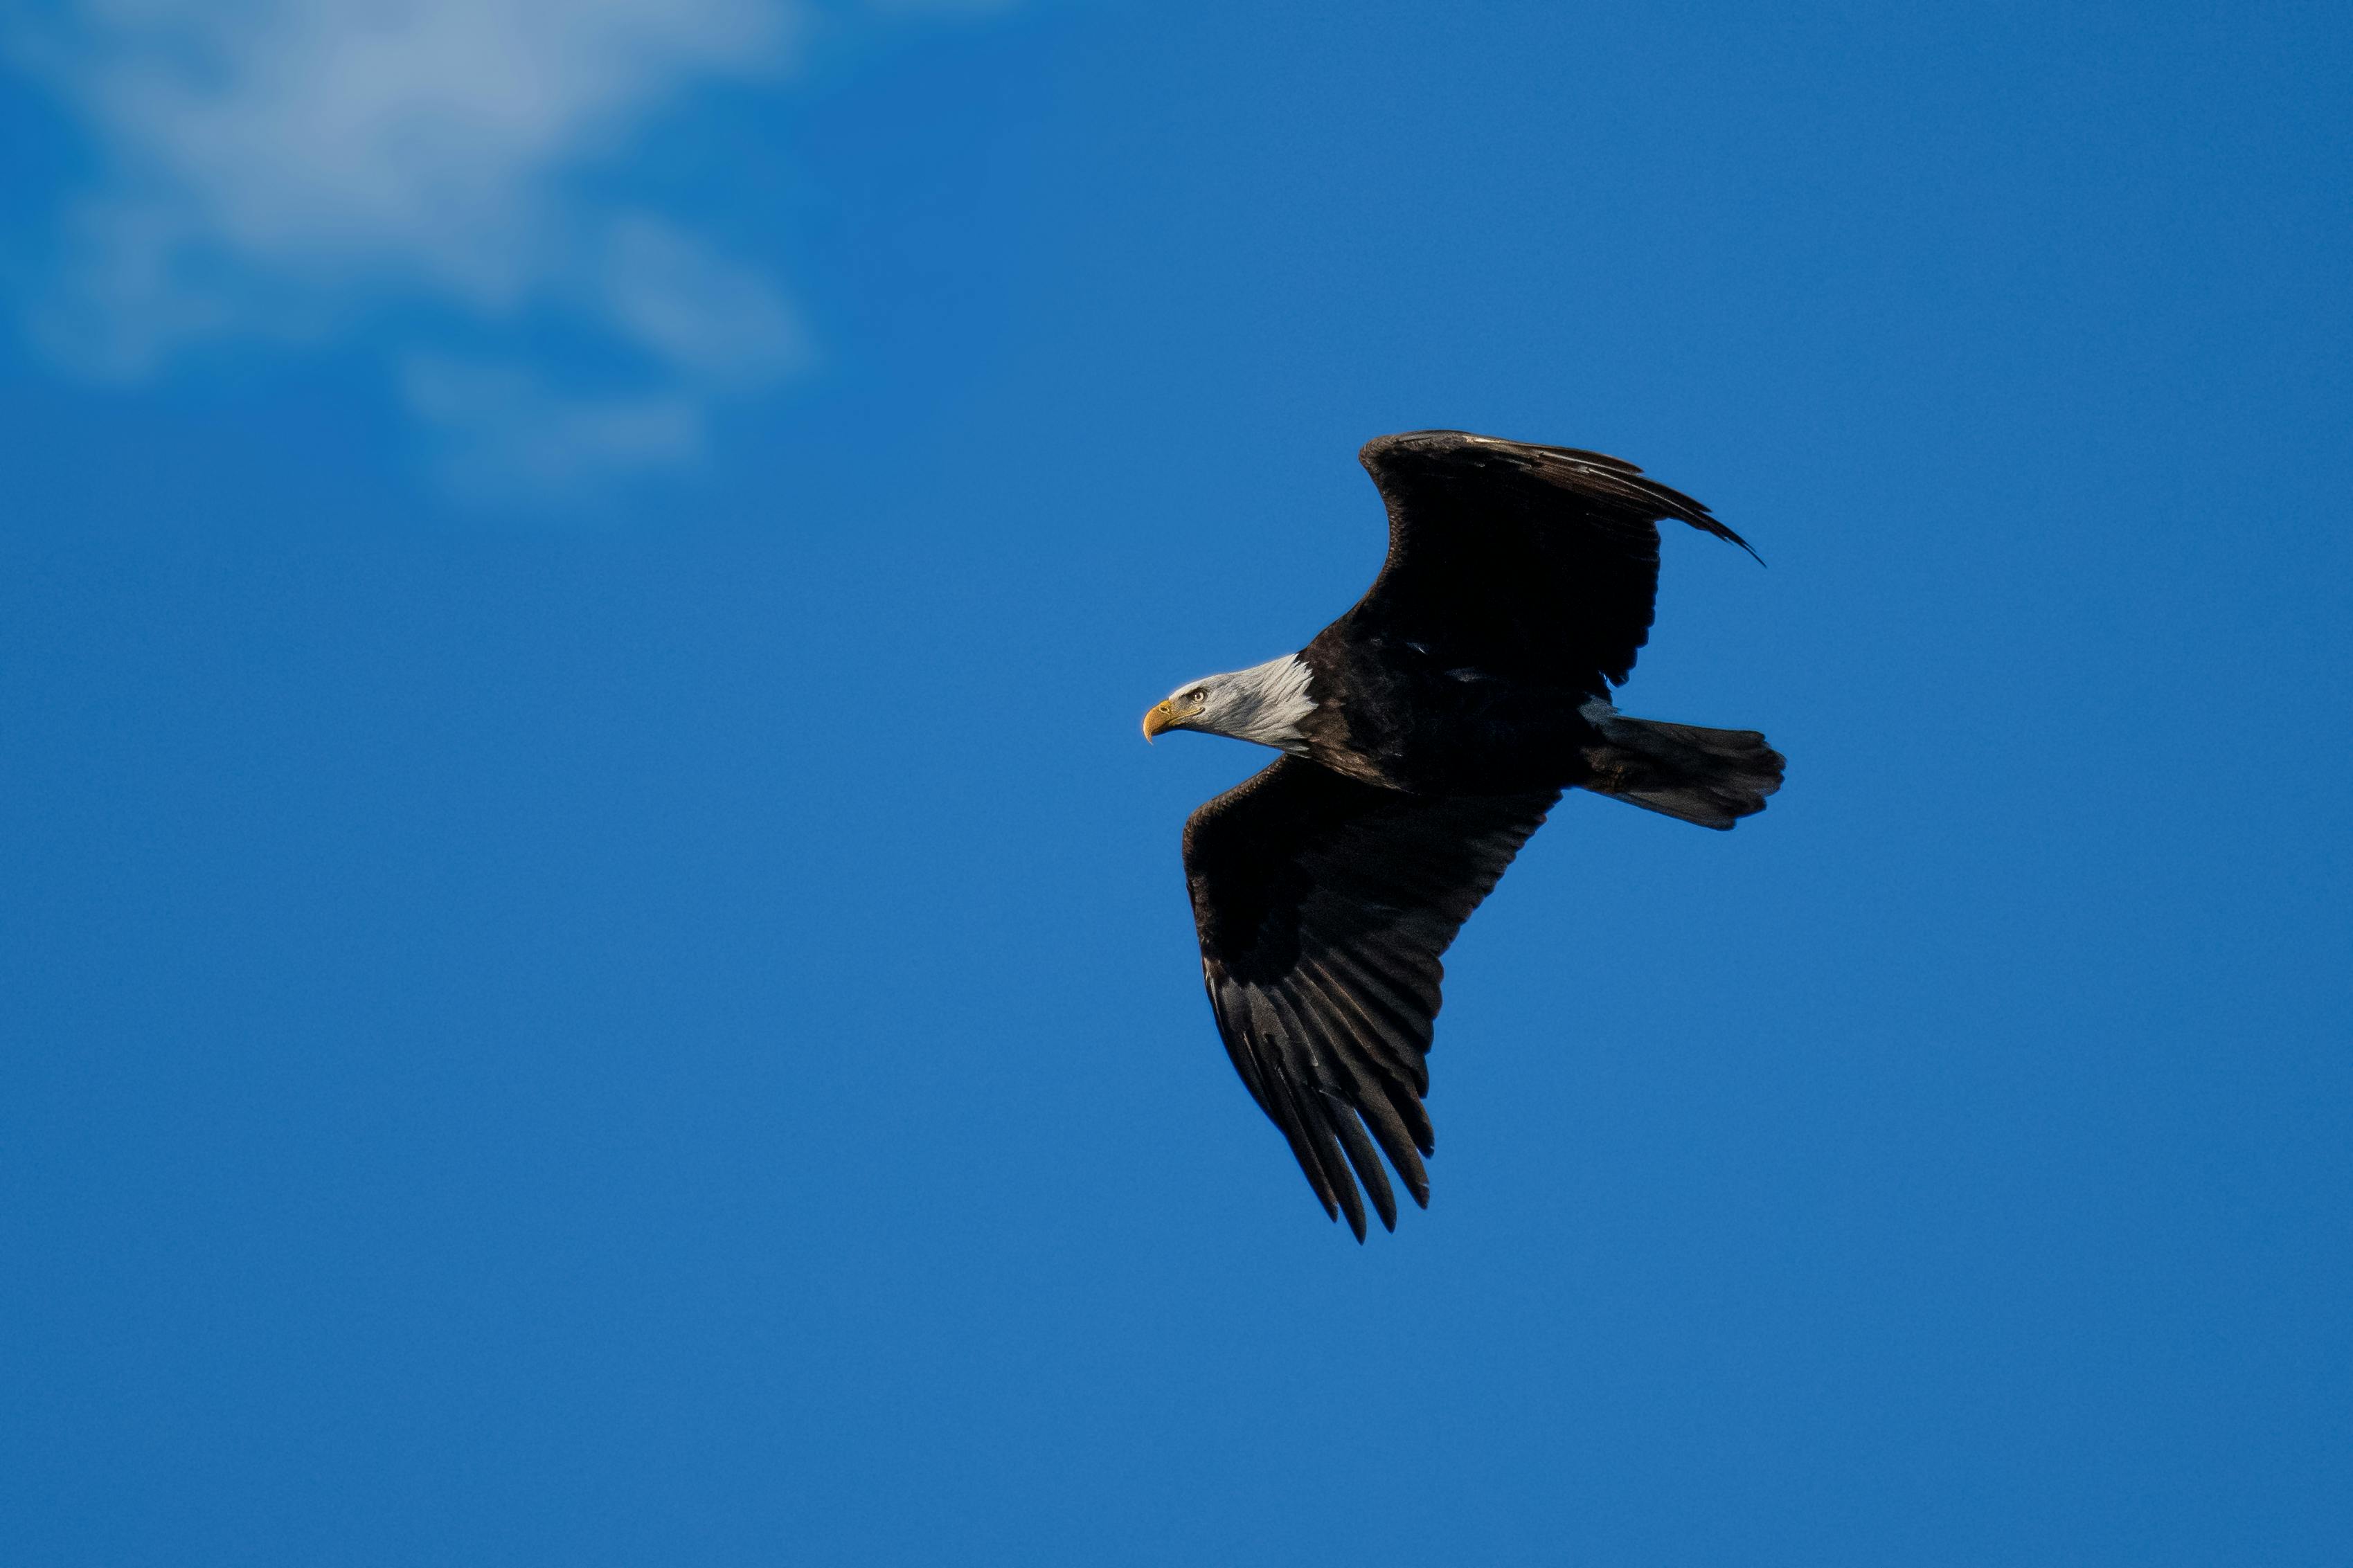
<point x="1196" y="694"/>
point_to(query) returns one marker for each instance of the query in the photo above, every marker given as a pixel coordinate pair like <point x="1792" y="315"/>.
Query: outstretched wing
<point x="1540" y="562"/>
<point x="1322" y="906"/>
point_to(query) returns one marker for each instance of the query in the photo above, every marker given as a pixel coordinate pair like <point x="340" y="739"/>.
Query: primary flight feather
<point x="1426" y="733"/>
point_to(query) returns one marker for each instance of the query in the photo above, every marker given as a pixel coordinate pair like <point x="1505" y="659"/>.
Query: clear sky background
<point x="594" y="971"/>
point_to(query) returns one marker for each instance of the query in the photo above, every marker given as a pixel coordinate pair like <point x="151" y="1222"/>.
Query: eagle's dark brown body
<point x="1399" y="715"/>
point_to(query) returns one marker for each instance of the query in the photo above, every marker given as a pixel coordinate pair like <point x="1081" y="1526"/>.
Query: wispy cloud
<point x="302" y="169"/>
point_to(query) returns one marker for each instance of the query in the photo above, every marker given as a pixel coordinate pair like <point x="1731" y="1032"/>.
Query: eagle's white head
<point x="1263" y="703"/>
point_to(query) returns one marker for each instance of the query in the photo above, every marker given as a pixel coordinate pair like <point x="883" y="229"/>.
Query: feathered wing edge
<point x="1595" y="476"/>
<point x="1324" y="906"/>
<point x="1537" y="564"/>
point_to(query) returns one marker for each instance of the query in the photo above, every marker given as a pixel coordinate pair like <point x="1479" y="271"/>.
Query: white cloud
<point x="289" y="168"/>
<point x="508" y="434"/>
<point x="703" y="313"/>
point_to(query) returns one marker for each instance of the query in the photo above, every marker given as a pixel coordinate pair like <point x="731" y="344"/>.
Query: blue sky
<point x="594" y="971"/>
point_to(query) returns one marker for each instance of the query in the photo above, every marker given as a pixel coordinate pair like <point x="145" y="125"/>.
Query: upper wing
<point x="1324" y="905"/>
<point x="1538" y="562"/>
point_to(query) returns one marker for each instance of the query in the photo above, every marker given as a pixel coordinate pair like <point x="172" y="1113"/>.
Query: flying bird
<point x="1425" y="734"/>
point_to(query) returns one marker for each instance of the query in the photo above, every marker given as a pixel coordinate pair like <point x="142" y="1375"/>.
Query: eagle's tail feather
<point x="1713" y="777"/>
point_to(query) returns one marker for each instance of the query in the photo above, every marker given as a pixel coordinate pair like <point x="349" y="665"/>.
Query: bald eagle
<point x="1425" y="734"/>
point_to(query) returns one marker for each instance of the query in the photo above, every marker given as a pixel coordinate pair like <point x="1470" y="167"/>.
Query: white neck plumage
<point x="1263" y="703"/>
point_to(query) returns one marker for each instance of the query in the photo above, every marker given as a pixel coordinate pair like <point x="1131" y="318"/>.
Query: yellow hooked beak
<point x="1167" y="715"/>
